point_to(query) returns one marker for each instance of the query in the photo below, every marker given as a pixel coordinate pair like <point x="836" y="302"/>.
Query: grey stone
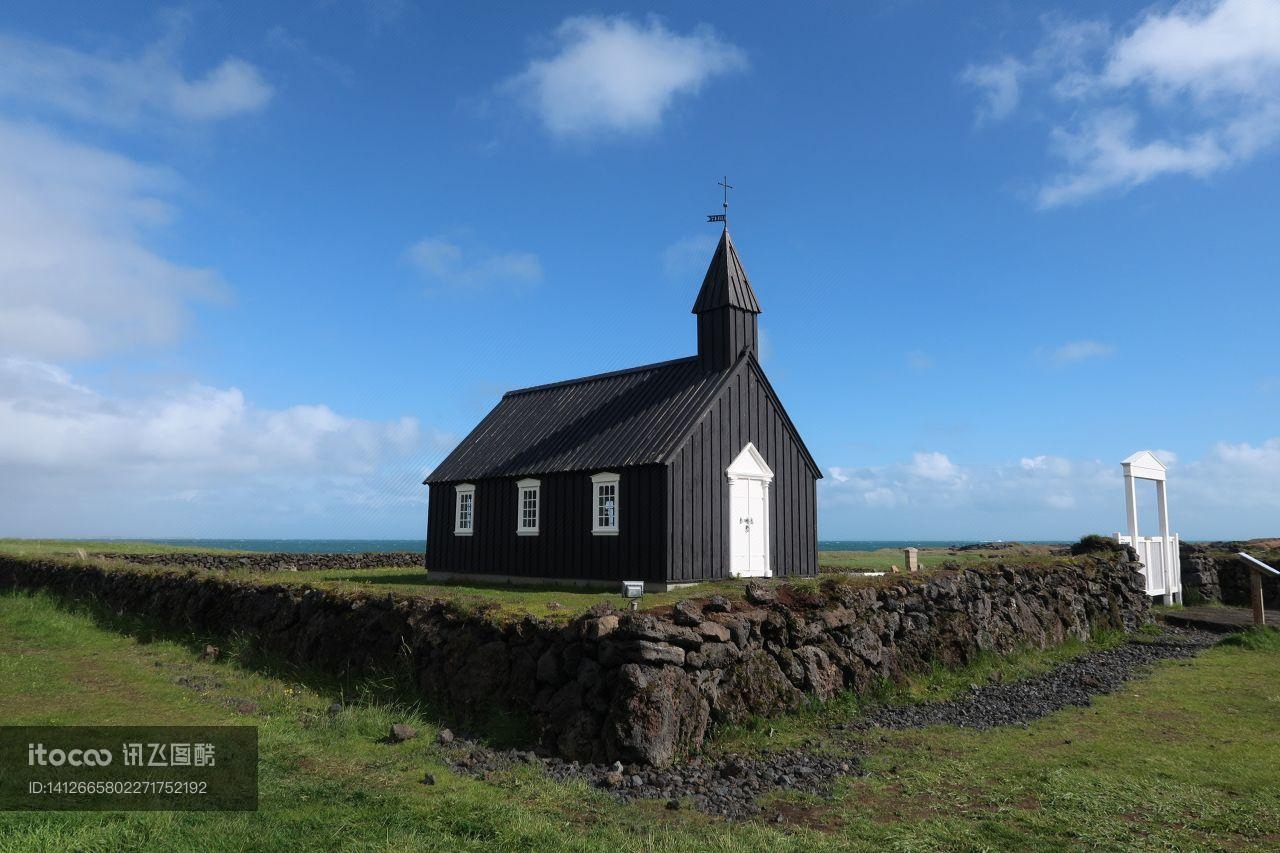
<point x="758" y="593"/>
<point x="401" y="732"/>
<point x="714" y="631"/>
<point x="718" y="604"/>
<point x="594" y="629"/>
<point x="657" y="715"/>
<point x="685" y="612"/>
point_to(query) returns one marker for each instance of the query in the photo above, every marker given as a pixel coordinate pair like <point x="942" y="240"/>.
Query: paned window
<point x="604" y="504"/>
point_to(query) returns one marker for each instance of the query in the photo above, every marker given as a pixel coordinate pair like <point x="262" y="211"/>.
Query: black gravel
<point x="1073" y="683"/>
<point x="727" y="785"/>
<point x="730" y="785"/>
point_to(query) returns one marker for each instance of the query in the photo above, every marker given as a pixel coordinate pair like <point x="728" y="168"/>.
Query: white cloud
<point x="448" y="267"/>
<point x="1055" y="465"/>
<point x="1075" y="352"/>
<point x="1231" y="491"/>
<point x="1191" y="89"/>
<point x="78" y="462"/>
<point x="78" y="279"/>
<point x="122" y="90"/>
<point x="1104" y="155"/>
<point x="76" y="276"/>
<point x="617" y="75"/>
<point x="940" y="497"/>
<point x="935" y="467"/>
<point x="1234" y="478"/>
<point x="1230" y="47"/>
<point x="1001" y="83"/>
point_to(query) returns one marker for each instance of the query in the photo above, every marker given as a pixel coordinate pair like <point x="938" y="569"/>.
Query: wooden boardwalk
<point x="1218" y="618"/>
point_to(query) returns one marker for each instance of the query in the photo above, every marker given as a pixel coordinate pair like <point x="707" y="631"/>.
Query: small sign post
<point x="1256" y="568"/>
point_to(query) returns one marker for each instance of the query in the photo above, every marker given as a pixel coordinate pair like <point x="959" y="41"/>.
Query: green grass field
<point x="71" y="547"/>
<point x="1184" y="759"/>
<point x="500" y="599"/>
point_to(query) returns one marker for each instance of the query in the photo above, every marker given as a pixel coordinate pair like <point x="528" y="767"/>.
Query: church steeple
<point x="726" y="309"/>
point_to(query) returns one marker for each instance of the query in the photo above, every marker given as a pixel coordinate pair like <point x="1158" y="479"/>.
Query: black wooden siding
<point x="723" y="333"/>
<point x="564" y="547"/>
<point x="697" y="515"/>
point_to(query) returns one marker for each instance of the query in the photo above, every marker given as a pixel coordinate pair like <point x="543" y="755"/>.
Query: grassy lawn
<point x="507" y="600"/>
<point x="931" y="558"/>
<point x="500" y="599"/>
<point x="70" y="547"/>
<point x="1184" y="759"/>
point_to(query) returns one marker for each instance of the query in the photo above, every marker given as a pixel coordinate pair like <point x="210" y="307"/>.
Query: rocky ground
<point x="731" y="785"/>
<point x="1072" y="683"/>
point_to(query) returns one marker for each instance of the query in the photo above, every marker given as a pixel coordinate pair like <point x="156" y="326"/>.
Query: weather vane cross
<point x="723" y="217"/>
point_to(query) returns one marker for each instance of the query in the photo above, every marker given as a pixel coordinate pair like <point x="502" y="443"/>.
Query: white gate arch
<point x="1161" y="563"/>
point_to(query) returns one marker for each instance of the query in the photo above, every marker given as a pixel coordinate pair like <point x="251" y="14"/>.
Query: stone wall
<point x="648" y="686"/>
<point x="1212" y="571"/>
<point x="272" y="561"/>
<point x="1233" y="576"/>
<point x="1199" y="574"/>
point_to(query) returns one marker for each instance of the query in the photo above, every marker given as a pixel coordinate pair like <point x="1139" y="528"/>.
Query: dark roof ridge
<point x="596" y="376"/>
<point x="726" y="283"/>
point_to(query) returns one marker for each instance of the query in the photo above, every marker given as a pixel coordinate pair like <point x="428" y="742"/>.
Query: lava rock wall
<point x="641" y="687"/>
<point x="1233" y="576"/>
<point x="272" y="561"/>
<point x="1199" y="574"/>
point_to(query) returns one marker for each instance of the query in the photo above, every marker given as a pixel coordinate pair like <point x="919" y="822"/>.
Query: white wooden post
<point x="1131" y="503"/>
<point x="1166" y="543"/>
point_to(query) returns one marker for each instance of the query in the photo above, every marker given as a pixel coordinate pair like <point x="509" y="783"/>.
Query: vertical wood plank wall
<point x="564" y="546"/>
<point x="698" y="520"/>
<point x="723" y="333"/>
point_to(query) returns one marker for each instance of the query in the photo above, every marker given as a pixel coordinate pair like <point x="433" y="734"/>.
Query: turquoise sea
<point x="352" y="546"/>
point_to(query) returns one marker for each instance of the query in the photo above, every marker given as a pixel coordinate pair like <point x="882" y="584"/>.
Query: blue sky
<point x="262" y="265"/>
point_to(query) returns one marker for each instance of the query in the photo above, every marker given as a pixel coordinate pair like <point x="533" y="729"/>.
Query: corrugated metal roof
<point x="726" y="282"/>
<point x="630" y="417"/>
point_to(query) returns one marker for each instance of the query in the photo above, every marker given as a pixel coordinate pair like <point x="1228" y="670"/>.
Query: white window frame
<point x="460" y="490"/>
<point x="605" y="478"/>
<point x="523" y="486"/>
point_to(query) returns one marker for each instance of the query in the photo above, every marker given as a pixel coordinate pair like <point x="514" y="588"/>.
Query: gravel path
<point x="730" y="785"/>
<point x="1072" y="683"/>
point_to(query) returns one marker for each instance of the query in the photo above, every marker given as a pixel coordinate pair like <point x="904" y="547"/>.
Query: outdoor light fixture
<point x="632" y="590"/>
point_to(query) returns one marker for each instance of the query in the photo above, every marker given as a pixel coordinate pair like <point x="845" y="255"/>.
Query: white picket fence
<point x="1155" y="553"/>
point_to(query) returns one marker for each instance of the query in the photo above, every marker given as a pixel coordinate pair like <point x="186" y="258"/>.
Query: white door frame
<point x="1144" y="465"/>
<point x="750" y="465"/>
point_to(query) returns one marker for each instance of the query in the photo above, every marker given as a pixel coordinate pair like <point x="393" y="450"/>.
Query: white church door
<point x="749" y="482"/>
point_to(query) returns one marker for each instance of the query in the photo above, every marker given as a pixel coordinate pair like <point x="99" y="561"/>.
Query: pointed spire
<point x="726" y="281"/>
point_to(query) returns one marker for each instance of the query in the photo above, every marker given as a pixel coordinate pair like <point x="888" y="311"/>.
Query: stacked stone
<point x="641" y="687"/>
<point x="271" y="561"/>
<point x="1200" y="574"/>
<point x="1233" y="577"/>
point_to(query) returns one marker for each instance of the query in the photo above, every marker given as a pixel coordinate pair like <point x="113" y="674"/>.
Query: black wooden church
<point x="671" y="473"/>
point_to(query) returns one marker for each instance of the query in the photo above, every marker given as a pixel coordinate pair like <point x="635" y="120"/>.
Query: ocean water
<point x="353" y="546"/>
